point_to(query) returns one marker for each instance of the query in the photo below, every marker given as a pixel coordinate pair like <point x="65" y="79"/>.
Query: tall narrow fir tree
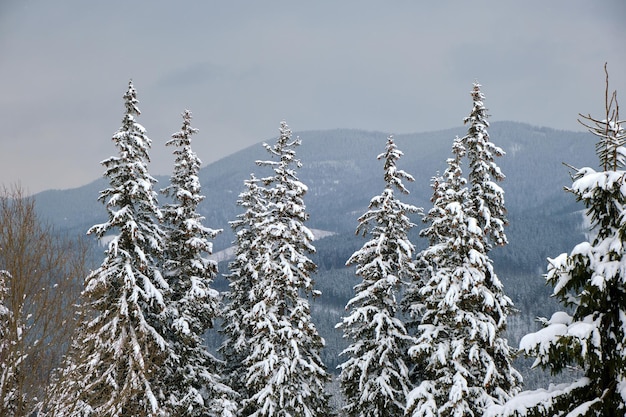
<point x="485" y="195"/>
<point x="117" y="353"/>
<point x="374" y="377"/>
<point x="284" y="373"/>
<point x="458" y="304"/>
<point x="191" y="382"/>
<point x="236" y="330"/>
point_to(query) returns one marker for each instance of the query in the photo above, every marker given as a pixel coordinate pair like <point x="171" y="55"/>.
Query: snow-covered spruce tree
<point x="591" y="283"/>
<point x="445" y="217"/>
<point x="236" y="330"/>
<point x="190" y="376"/>
<point x="119" y="348"/>
<point x="462" y="362"/>
<point x="374" y="377"/>
<point x="487" y="198"/>
<point x="284" y="373"/>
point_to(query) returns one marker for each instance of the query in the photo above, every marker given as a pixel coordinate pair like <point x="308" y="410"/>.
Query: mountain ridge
<point x="342" y="174"/>
<point x="341" y="162"/>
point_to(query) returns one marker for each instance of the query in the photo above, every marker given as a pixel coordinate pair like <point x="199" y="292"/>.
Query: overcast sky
<point x="242" y="67"/>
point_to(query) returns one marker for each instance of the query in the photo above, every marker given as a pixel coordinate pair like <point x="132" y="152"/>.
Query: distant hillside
<point x="342" y="173"/>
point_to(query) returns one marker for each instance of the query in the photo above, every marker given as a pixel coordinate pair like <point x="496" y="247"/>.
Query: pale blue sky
<point x="243" y="66"/>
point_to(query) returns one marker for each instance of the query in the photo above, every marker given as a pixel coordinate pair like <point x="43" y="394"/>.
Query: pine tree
<point x="236" y="330"/>
<point x="374" y="378"/>
<point x="590" y="282"/>
<point x="119" y="348"/>
<point x="284" y="373"/>
<point x="486" y="196"/>
<point x="458" y="303"/>
<point x="191" y="380"/>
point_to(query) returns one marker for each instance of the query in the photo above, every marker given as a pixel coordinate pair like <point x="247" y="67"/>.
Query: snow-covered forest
<point x="144" y="318"/>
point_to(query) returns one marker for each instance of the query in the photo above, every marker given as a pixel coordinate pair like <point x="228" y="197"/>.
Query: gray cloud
<point x="242" y="67"/>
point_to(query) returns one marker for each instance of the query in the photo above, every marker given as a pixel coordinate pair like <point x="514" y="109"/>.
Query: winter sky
<point x="243" y="66"/>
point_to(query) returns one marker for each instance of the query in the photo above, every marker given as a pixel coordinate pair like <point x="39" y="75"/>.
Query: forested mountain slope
<point x="341" y="171"/>
<point x="342" y="174"/>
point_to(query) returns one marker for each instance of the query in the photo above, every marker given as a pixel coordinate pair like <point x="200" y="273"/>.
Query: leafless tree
<point x="43" y="280"/>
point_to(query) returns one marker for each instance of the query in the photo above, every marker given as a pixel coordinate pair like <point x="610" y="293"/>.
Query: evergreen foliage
<point x="284" y="373"/>
<point x="590" y="282"/>
<point x="374" y="377"/>
<point x="487" y="198"/>
<point x="119" y="348"/>
<point x="139" y="349"/>
<point x="458" y="306"/>
<point x="235" y="328"/>
<point x="190" y="381"/>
